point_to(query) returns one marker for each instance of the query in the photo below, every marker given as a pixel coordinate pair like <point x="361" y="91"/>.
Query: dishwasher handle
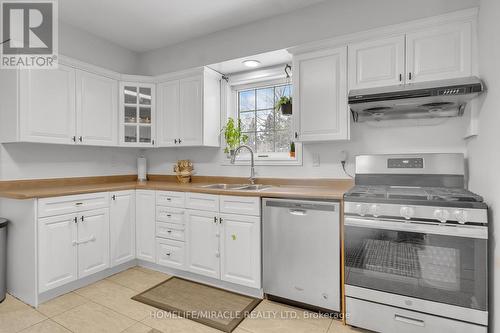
<point x="298" y="212"/>
<point x="302" y="206"/>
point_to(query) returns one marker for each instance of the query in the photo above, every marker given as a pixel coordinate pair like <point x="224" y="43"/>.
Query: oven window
<point x="439" y="268"/>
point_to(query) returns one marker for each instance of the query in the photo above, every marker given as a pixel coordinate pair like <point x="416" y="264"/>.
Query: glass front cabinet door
<point x="137" y="114"/>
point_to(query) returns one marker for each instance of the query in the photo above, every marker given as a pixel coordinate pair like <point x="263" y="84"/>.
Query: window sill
<point x="271" y="161"/>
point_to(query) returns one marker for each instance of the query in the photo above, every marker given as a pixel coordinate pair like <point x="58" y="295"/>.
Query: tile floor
<point x="105" y="306"/>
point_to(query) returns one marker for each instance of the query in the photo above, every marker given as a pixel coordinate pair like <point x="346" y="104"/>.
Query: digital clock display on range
<point x="405" y="163"/>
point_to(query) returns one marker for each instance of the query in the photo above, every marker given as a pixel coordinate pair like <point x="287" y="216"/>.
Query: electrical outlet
<point x="316" y="160"/>
<point x="343" y="156"/>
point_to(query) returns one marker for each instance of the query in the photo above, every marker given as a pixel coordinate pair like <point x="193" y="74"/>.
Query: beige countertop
<point x="281" y="188"/>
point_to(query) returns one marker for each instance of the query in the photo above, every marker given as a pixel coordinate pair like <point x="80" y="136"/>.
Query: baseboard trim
<point x="203" y="279"/>
<point x="50" y="294"/>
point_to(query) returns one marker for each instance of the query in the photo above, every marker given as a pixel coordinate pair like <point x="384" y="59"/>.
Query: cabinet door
<point x="168" y="113"/>
<point x="440" y="53"/>
<point x="93" y="242"/>
<point x="240" y="250"/>
<point x="96" y="109"/>
<point x="203" y="243"/>
<point x="145" y="225"/>
<point x="377" y="63"/>
<point x="320" y="96"/>
<point x="191" y="102"/>
<point x="137" y="114"/>
<point x="122" y="227"/>
<point x="47" y="104"/>
<point x="57" y="252"/>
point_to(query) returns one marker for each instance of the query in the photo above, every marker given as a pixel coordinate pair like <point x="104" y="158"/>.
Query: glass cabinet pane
<point x="130" y="114"/>
<point x="144" y="96"/>
<point x="145" y="134"/>
<point x="130" y="133"/>
<point x="145" y="115"/>
<point x="130" y="94"/>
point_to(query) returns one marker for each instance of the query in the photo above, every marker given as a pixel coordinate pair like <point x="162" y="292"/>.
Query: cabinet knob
<point x="75" y="219"/>
<point x="80" y="138"/>
<point x="409" y="76"/>
<point x="82" y="218"/>
<point x="296" y="135"/>
<point x="215" y="219"/>
<point x="180" y="140"/>
<point x="175" y="141"/>
<point x="400" y="77"/>
<point x="74" y="138"/>
<point x="113" y="197"/>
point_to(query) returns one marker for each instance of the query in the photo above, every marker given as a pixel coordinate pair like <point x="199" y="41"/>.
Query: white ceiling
<point x="268" y="59"/>
<point x="144" y="25"/>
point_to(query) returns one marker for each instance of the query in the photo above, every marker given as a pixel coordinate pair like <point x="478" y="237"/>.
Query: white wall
<point x="32" y="161"/>
<point x="325" y="20"/>
<point x="366" y="138"/>
<point x="81" y="45"/>
<point x="483" y="152"/>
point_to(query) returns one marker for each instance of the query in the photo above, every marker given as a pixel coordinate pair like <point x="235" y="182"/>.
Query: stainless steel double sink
<point x="238" y="187"/>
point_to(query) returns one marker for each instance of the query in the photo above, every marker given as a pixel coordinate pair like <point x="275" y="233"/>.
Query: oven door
<point x="445" y="263"/>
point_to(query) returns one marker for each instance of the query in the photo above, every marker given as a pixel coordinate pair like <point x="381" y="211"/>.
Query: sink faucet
<point x="252" y="163"/>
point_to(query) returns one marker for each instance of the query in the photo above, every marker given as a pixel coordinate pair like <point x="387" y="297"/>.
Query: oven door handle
<point x="422" y="227"/>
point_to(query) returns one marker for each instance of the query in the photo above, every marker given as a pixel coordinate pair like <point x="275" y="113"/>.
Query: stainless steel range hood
<point x="436" y="99"/>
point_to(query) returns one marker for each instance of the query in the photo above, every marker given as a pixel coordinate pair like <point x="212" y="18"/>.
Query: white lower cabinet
<point x="55" y="240"/>
<point x="145" y="225"/>
<point x="72" y="246"/>
<point x="170" y="253"/>
<point x="203" y="243"/>
<point x="240" y="249"/>
<point x="93" y="242"/>
<point x="122" y="227"/>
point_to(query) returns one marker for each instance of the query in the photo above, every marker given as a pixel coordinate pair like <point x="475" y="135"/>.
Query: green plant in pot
<point x="285" y="105"/>
<point x="233" y="136"/>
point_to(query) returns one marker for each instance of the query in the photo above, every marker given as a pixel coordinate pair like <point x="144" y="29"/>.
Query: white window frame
<point x="253" y="80"/>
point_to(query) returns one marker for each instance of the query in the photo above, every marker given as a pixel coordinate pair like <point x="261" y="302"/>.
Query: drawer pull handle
<point x="78" y="203"/>
<point x="408" y="320"/>
<point x="169" y="199"/>
<point x="91" y="239"/>
<point x="167" y="254"/>
<point x="169" y="216"/>
<point x="169" y="231"/>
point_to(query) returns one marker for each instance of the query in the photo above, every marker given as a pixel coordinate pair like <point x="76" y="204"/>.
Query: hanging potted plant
<point x="233" y="136"/>
<point x="285" y="105"/>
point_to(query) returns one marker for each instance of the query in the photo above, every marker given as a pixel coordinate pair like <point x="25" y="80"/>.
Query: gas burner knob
<point x="441" y="215"/>
<point x="375" y="210"/>
<point x="407" y="212"/>
<point x="361" y="209"/>
<point x="461" y="216"/>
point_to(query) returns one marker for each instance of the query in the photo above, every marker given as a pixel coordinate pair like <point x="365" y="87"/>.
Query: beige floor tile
<point x="61" y="304"/>
<point x="275" y="317"/>
<point x="138" y="279"/>
<point x="117" y="298"/>
<point x="141" y="328"/>
<point x="93" y="318"/>
<point x="16" y="316"/>
<point x="177" y="325"/>
<point x="338" y="327"/>
<point x="47" y="326"/>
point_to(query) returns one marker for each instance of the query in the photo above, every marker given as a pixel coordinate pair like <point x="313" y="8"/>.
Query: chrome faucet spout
<point x="252" y="161"/>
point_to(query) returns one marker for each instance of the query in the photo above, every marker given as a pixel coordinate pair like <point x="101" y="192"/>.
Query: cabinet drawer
<point x="72" y="204"/>
<point x="170" y="231"/>
<point x="240" y="205"/>
<point x="200" y="201"/>
<point x="170" y="253"/>
<point x="170" y="215"/>
<point x="390" y="319"/>
<point x="171" y="199"/>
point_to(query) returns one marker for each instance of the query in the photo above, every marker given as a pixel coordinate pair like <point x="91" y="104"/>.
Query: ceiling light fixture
<point x="251" y="63"/>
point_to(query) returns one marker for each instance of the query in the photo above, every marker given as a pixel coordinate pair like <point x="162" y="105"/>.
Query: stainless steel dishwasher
<point x="301" y="251"/>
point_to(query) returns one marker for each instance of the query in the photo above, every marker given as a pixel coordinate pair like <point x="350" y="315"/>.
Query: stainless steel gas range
<point x="415" y="246"/>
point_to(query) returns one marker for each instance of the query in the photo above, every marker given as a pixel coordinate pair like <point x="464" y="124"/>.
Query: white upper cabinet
<point x="47" y="105"/>
<point x="377" y="63"/>
<point x="122" y="226"/>
<point x="320" y="110"/>
<point x="189" y="109"/>
<point x="438" y="53"/>
<point x="443" y="52"/>
<point x="137" y="114"/>
<point x="96" y="109"/>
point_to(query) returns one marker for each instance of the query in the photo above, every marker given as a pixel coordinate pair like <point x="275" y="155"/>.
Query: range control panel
<point x="405" y="163"/>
